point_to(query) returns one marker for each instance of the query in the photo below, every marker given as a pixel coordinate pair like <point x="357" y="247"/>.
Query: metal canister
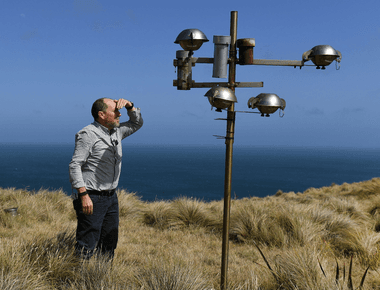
<point x="220" y="56"/>
<point x="246" y="46"/>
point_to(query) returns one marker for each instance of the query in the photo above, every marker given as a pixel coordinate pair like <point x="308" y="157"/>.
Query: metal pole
<point x="229" y="152"/>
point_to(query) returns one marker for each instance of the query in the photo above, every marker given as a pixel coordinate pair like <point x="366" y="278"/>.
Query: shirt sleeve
<point x="83" y="145"/>
<point x="135" y="123"/>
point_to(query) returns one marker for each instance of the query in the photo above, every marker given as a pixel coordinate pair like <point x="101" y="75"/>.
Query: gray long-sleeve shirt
<point x="96" y="162"/>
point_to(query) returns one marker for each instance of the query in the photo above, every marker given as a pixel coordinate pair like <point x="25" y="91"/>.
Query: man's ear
<point x="101" y="115"/>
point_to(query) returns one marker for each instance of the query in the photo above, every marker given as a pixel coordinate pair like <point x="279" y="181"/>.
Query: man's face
<point x="110" y="118"/>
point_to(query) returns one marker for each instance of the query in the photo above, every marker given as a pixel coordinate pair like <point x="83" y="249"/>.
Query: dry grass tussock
<point x="325" y="238"/>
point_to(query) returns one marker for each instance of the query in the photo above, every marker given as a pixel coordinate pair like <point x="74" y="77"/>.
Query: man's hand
<point x="120" y="103"/>
<point x="87" y="205"/>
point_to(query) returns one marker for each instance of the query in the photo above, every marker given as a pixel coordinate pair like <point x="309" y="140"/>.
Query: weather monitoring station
<point x="228" y="53"/>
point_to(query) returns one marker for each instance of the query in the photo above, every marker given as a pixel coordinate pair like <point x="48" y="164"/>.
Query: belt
<point x="102" y="192"/>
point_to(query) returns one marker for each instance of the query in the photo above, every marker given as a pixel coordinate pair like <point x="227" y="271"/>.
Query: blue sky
<point x="59" y="56"/>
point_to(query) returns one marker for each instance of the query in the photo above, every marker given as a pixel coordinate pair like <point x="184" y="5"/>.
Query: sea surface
<point x="167" y="172"/>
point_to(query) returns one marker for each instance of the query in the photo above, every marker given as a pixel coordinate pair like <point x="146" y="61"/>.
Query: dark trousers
<point x="97" y="232"/>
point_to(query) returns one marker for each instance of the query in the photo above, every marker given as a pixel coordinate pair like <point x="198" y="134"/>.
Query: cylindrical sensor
<point x="184" y="71"/>
<point x="181" y="54"/>
<point x="245" y="46"/>
<point x="220" y="56"/>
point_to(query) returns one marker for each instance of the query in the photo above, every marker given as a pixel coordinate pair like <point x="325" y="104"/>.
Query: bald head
<point x="106" y="113"/>
<point x="98" y="106"/>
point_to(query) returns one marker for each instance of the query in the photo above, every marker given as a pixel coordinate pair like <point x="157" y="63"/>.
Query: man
<point x="94" y="173"/>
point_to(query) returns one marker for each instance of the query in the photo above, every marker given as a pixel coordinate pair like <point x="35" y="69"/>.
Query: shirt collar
<point x="103" y="128"/>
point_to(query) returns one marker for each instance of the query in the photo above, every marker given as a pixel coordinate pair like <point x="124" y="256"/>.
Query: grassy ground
<point x="324" y="238"/>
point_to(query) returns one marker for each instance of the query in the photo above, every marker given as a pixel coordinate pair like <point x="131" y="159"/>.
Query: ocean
<point x="167" y="172"/>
